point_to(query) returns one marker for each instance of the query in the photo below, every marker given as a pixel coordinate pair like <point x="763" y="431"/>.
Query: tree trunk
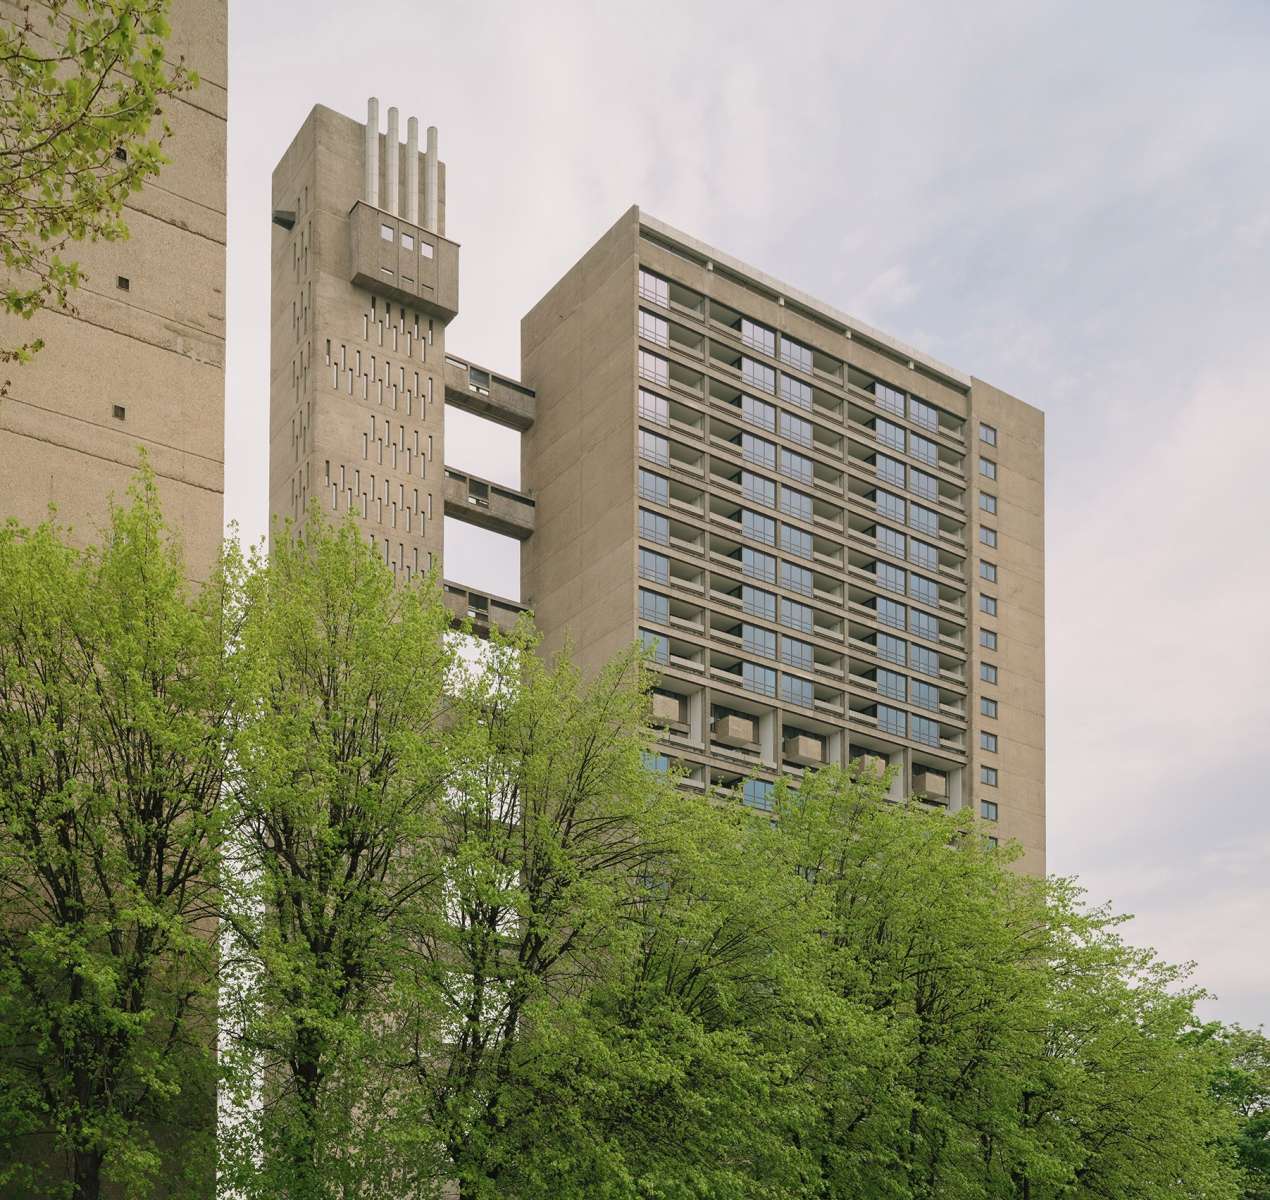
<point x="87" y="1175"/>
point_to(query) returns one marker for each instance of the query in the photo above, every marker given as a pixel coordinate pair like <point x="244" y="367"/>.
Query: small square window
<point x="988" y="604"/>
<point x="123" y="283"/>
<point x="425" y="248"/>
<point x="987" y="468"/>
<point x="987" y="434"/>
<point x="988" y="776"/>
<point x="987" y="672"/>
<point x="988" y="639"/>
<point x="988" y="571"/>
<point x="988" y="741"/>
<point x="388" y="233"/>
<point x="988" y="707"/>
<point x="407" y="241"/>
<point x="988" y="810"/>
<point x="118" y="412"/>
<point x="987" y="502"/>
<point x="987" y="536"/>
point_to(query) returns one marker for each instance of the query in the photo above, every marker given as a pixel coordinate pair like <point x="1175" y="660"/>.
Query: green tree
<point x="114" y="704"/>
<point x="1242" y="1083"/>
<point x="339" y="771"/>
<point x="81" y="84"/>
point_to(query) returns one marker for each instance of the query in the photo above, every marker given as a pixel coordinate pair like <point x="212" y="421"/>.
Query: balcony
<point x="404" y="262"/>
<point x="481" y="609"/>
<point x="488" y="505"/>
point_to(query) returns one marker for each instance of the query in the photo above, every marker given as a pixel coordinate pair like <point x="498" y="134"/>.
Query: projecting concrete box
<point x="870" y="764"/>
<point x="667" y="709"/>
<point x="930" y="784"/>
<point x="805" y="749"/>
<point x="404" y="262"/>
<point x="734" y="730"/>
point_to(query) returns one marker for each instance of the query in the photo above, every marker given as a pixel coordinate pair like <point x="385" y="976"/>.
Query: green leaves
<point x="81" y="88"/>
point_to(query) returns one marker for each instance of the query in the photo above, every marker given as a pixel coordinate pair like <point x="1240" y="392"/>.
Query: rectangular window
<point x="888" y="398"/>
<point x="653" y="527"/>
<point x="925" y="519"/>
<point x="758" y="603"/>
<point x="889" y="434"/>
<point x="925" y="695"/>
<point x="924" y="625"/>
<point x="988" y="571"/>
<point x="988" y="604"/>
<point x="758" y="450"/>
<point x="797" y="653"/>
<point x="757" y="793"/>
<point x="796" y="354"/>
<point x="796" y="392"/>
<point x="387" y="233"/>
<point x="889" y="540"/>
<point x="659" y="763"/>
<point x="796" y="579"/>
<point x="795" y="503"/>
<point x="923" y="414"/>
<point x="890" y="612"/>
<point x="654" y="487"/>
<point x="893" y="578"/>
<point x="756" y="640"/>
<point x="987" y="536"/>
<point x="654" y="447"/>
<point x="923" y="589"/>
<point x="758" y="337"/>
<point x="988" y="776"/>
<point x="988" y="810"/>
<point x="988" y="639"/>
<point x="795" y="541"/>
<point x="892" y="684"/>
<point x="654" y="566"/>
<point x="654" y="408"/>
<point x="987" y="707"/>
<point x="924" y="730"/>
<point x="407" y="242"/>
<point x="796" y="616"/>
<point x="987" y="434"/>
<point x="923" y="449"/>
<point x="926" y="486"/>
<point x="656" y="645"/>
<point x="758" y="375"/>
<point x="889" y="470"/>
<point x="654" y="607"/>
<point x="654" y="328"/>
<point x="758" y="565"/>
<point x="796" y="429"/>
<point x="758" y="527"/>
<point x="654" y="367"/>
<point x="892" y="649"/>
<point x="923" y="554"/>
<point x="987" y="468"/>
<point x="758" y="412"/>
<point x="987" y="502"/>
<point x="988" y="741"/>
<point x="755" y="678"/>
<point x="798" y="691"/>
<point x="654" y="288"/>
<point x="889" y="505"/>
<point x="756" y="488"/>
<point x="923" y="659"/>
<point x="987" y="672"/>
<point x="892" y="720"/>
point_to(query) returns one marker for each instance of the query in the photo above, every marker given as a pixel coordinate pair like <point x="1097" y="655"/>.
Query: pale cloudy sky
<point x="1070" y="200"/>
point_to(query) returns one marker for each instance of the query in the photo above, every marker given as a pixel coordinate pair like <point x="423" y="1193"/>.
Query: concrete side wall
<point x="578" y="354"/>
<point x="1020" y="622"/>
<point x="156" y="349"/>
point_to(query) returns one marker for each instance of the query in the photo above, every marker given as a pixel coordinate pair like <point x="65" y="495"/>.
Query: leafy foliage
<point x="80" y="87"/>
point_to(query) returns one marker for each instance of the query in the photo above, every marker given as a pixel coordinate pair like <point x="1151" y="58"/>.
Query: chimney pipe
<point x="370" y="178"/>
<point x="393" y="182"/>
<point x="412" y="170"/>
<point x="430" y="182"/>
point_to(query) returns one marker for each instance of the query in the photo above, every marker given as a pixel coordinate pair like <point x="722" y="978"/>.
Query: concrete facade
<point x="142" y="363"/>
<point x="833" y="543"/>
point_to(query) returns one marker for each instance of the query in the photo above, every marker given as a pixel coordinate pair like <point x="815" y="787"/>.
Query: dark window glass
<point x="758" y="375"/>
<point x="654" y="487"/>
<point x="925" y="695"/>
<point x="987" y="672"/>
<point x="987" y="707"/>
<point x="987" y="468"/>
<point x="796" y="392"/>
<point x="892" y="649"/>
<point x="889" y="540"/>
<point x="987" y="434"/>
<point x="757" y="793"/>
<point x="926" y="486"/>
<point x="925" y="519"/>
<point x="988" y="775"/>
<point x="889" y="470"/>
<point x="758" y="450"/>
<point x="758" y="527"/>
<point x="893" y="684"/>
<point x="796" y="354"/>
<point x="924" y="730"/>
<point x="796" y="653"/>
<point x="890" y="612"/>
<point x="758" y="336"/>
<point x="758" y="565"/>
<point x="988" y="810"/>
<point x="653" y="527"/>
<point x="924" y="625"/>
<point x="796" y="429"/>
<point x="891" y="577"/>
<point x="757" y="602"/>
<point x="653" y="607"/>
<point x="796" y="503"/>
<point x="922" y="413"/>
<point x="796" y="616"/>
<point x="889" y="434"/>
<point x="795" y="541"/>
<point x="988" y="639"/>
<point x="755" y="640"/>
<point x="888" y="397"/>
<point x="988" y="571"/>
<point x="988" y="741"/>
<point x="796" y="579"/>
<point x="923" y="554"/>
<point x="654" y="566"/>
<point x="888" y="505"/>
<point x="923" y="659"/>
<point x="797" y="691"/>
<point x="755" y="678"/>
<point x="796" y="466"/>
<point x="656" y="644"/>
<point x="923" y="448"/>
<point x="757" y="488"/>
<point x="758" y="412"/>
<point x="892" y="720"/>
<point x="987" y="502"/>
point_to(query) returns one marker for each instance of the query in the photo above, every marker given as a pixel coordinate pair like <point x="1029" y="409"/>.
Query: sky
<point x="1070" y="201"/>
